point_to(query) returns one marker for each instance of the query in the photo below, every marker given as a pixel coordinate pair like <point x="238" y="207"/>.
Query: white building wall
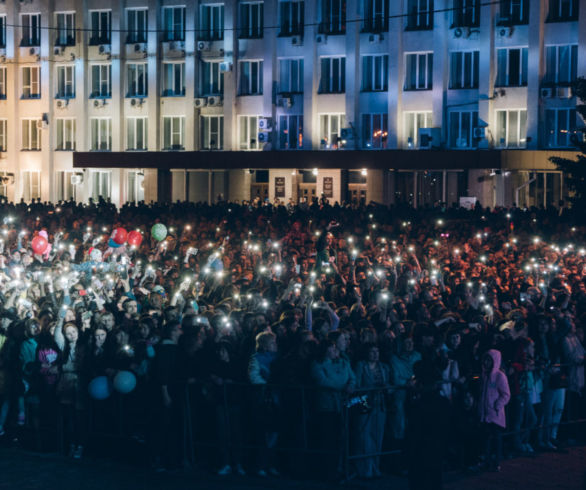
<point x="440" y="100"/>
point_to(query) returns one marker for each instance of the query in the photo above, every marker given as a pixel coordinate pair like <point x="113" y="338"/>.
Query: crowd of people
<point x="438" y="332"/>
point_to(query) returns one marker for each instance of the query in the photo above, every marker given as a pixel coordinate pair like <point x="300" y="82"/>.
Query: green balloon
<point x="159" y="231"/>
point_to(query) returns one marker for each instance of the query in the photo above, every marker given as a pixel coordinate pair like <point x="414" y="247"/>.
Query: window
<point x="65" y="29"/>
<point x="375" y="73"/>
<point x="65" y="82"/>
<point x="211" y="22"/>
<point x="464" y="69"/>
<point x="101" y="80"/>
<point x="291" y="17"/>
<point x="563" y="10"/>
<point x="375" y="131"/>
<point x="511" y="67"/>
<point x="250" y="78"/>
<point x="330" y="130"/>
<point x="212" y="132"/>
<point x="466" y="13"/>
<point x="514" y="12"/>
<point x="418" y="71"/>
<point x="64" y="188"/>
<point x="173" y="79"/>
<point x="291" y="76"/>
<point x="65" y="134"/>
<point x="137" y="80"/>
<point x="511" y="128"/>
<point x="414" y="121"/>
<point x="31" y="185"/>
<point x="101" y="133"/>
<point x="135" y="186"/>
<point x="251" y="19"/>
<point x="560" y="126"/>
<point x="333" y="75"/>
<point x="419" y="14"/>
<point x="101" y="184"/>
<point x="2" y="82"/>
<point x="136" y="133"/>
<point x="375" y="16"/>
<point x="561" y="64"/>
<point x="461" y="129"/>
<point x="173" y="129"/>
<point x="101" y="27"/>
<point x="31" y="82"/>
<point x="2" y="31"/>
<point x="290" y="132"/>
<point x="212" y="78"/>
<point x="3" y="135"/>
<point x="333" y="17"/>
<point x="136" y="25"/>
<point x="3" y="184"/>
<point x="248" y="133"/>
<point x="31" y="29"/>
<point x="31" y="134"/>
<point x="173" y="23"/>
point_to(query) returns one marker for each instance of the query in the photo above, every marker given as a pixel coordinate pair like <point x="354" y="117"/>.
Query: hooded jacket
<point x="495" y="392"/>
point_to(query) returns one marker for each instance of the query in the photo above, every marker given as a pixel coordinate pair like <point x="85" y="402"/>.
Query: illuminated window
<point x="375" y="131"/>
<point x="3" y="134"/>
<point x="511" y="128"/>
<point x="330" y="128"/>
<point x="65" y="134"/>
<point x="101" y="134"/>
<point x="248" y="132"/>
<point x="31" y="82"/>
<point x="173" y="132"/>
<point x="31" y="185"/>
<point x="212" y="132"/>
<point x="560" y="126"/>
<point x="414" y="121"/>
<point x="136" y="133"/>
<point x="291" y="132"/>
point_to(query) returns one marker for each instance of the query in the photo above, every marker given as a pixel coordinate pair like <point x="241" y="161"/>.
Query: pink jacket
<point x="495" y="393"/>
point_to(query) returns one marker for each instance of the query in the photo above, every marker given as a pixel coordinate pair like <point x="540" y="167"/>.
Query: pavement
<point x="25" y="470"/>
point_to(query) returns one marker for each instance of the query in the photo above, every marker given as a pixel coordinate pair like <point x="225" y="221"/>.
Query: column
<point x="375" y="186"/>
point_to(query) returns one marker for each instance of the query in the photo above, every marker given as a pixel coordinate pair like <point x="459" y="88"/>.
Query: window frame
<point x="171" y="92"/>
<point x="211" y="32"/>
<point x="420" y="17"/>
<point x="332" y="88"/>
<point x="3" y="82"/>
<point x="135" y="78"/>
<point x="383" y="83"/>
<point x="205" y="121"/>
<point x="571" y="127"/>
<point x="474" y="69"/>
<point x="461" y="16"/>
<point x="96" y="37"/>
<point x="428" y="115"/>
<point x="173" y="131"/>
<point x="572" y="65"/>
<point x="207" y="87"/>
<point x="100" y="137"/>
<point x="3" y="135"/>
<point x="34" y="82"/>
<point x="285" y="135"/>
<point x="33" y="132"/>
<point x="248" y="30"/>
<point x="68" y="81"/>
<point x="136" y="35"/>
<point x="374" y="21"/>
<point x="65" y="131"/>
<point x="559" y="15"/>
<point x="34" y="36"/>
<point x="330" y="22"/>
<point x="108" y="80"/>
<point x="3" y="30"/>
<point x="66" y="34"/>
<point x="248" y="145"/>
<point x="132" y="122"/>
<point x="369" y="117"/>
<point x="291" y="23"/>
<point x="249" y="90"/>
<point x="291" y="79"/>
<point x="507" y="143"/>
<point x="510" y="17"/>
<point x="341" y="121"/>
<point x="523" y="66"/>
<point x="34" y="183"/>
<point x="428" y="70"/>
<point x="473" y="142"/>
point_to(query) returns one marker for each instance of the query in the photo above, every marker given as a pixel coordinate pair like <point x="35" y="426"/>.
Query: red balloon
<point x="39" y="244"/>
<point x="135" y="238"/>
<point x="119" y="236"/>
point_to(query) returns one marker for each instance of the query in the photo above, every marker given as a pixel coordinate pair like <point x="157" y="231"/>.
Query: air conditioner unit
<point x="264" y="124"/>
<point x="215" y="101"/>
<point x="347" y="134"/>
<point x="76" y="179"/>
<point x="104" y="49"/>
<point x="263" y="137"/>
<point x="479" y="132"/>
<point x="375" y="38"/>
<point x="297" y="41"/>
<point x="200" y="102"/>
<point x="42" y="124"/>
<point x="203" y="46"/>
<point x="32" y="51"/>
<point x="546" y="92"/>
<point x="284" y="101"/>
<point x="225" y="67"/>
<point x="96" y="103"/>
<point x="458" y="32"/>
<point x="461" y="143"/>
<point x="506" y="31"/>
<point x="429" y="138"/>
<point x="564" y="92"/>
<point x="57" y="51"/>
<point x="61" y="104"/>
<point x="321" y="39"/>
<point x="137" y="47"/>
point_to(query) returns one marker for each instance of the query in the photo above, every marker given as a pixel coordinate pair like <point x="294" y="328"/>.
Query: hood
<point x="496" y="359"/>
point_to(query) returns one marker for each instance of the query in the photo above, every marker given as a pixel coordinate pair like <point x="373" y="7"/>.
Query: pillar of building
<point x="329" y="184"/>
<point x="239" y="182"/>
<point x="375" y="186"/>
<point x="281" y="182"/>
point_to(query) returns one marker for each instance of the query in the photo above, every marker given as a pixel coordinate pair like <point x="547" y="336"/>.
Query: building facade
<point x="101" y="79"/>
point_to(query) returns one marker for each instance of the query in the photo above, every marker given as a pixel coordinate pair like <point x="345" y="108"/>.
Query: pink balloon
<point x="135" y="238"/>
<point x="39" y="244"/>
<point x="119" y="236"/>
